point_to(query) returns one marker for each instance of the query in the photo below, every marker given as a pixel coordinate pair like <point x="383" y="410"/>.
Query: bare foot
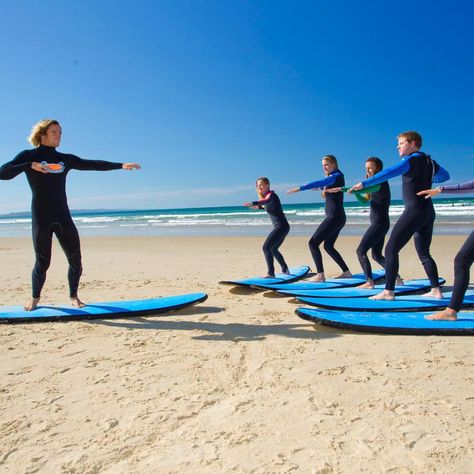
<point x="319" y="278"/>
<point x="434" y="293"/>
<point x="76" y="302"/>
<point x="31" y="305"/>
<point x="399" y="281"/>
<point x="347" y="274"/>
<point x="369" y="284"/>
<point x="384" y="295"/>
<point x="446" y="315"/>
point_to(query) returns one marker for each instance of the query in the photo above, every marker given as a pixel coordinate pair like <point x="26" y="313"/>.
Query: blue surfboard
<point x="330" y="283"/>
<point x="410" y="286"/>
<point x="115" y="309"/>
<point x="295" y="274"/>
<point x="392" y="323"/>
<point x="401" y="303"/>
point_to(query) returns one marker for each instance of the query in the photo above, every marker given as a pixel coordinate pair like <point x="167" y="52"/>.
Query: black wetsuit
<point x="328" y="231"/>
<point x="374" y="236"/>
<point x="465" y="256"/>
<point x="271" y="203"/>
<point x="49" y="209"/>
<point x="416" y="220"/>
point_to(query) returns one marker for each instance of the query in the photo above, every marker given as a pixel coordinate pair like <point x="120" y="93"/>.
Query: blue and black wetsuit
<point x="374" y="236"/>
<point x="418" y="172"/>
<point x="465" y="256"/>
<point x="49" y="209"/>
<point x="271" y="203"/>
<point x="328" y="231"/>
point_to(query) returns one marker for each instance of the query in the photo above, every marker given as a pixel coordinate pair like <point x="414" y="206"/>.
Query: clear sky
<point x="208" y="95"/>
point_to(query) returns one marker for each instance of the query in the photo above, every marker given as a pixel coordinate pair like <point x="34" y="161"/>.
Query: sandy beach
<point x="236" y="384"/>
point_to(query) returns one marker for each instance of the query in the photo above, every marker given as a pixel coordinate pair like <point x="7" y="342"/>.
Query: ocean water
<point x="454" y="216"/>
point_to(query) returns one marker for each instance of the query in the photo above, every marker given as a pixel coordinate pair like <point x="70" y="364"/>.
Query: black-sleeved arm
<point x="18" y="165"/>
<point x="77" y="163"/>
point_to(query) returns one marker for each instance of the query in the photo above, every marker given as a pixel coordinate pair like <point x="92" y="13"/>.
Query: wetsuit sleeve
<point x="263" y="201"/>
<point x="467" y="187"/>
<point x="13" y="168"/>
<point x="391" y="172"/>
<point x="320" y="183"/>
<point x="92" y="165"/>
<point x="441" y="174"/>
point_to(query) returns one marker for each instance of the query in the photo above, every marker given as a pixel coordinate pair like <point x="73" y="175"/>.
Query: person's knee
<point x="461" y="262"/>
<point x="361" y="251"/>
<point x="75" y="262"/>
<point x="328" y="246"/>
<point x="42" y="263"/>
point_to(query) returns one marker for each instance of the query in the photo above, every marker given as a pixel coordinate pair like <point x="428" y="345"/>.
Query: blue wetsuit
<point x="374" y="236"/>
<point x="271" y="203"/>
<point x="418" y="172"/>
<point x="328" y="231"/>
<point x="49" y="209"/>
<point x="465" y="256"/>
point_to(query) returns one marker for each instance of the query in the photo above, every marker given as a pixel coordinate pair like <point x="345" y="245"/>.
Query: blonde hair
<point x="39" y="130"/>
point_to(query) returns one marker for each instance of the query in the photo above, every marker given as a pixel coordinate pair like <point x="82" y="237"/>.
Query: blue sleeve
<point x="320" y="183"/>
<point x="388" y="173"/>
<point x="441" y="175"/>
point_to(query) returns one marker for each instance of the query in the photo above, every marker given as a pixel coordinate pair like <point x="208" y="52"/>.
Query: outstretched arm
<point x="99" y="165"/>
<point x="463" y="188"/>
<point x="321" y="183"/>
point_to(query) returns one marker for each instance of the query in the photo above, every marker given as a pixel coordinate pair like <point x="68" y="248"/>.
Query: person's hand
<point x="356" y="187"/>
<point x="247" y="204"/>
<point x="38" y="167"/>
<point x="333" y="190"/>
<point x="131" y="166"/>
<point x="293" y="190"/>
<point x="428" y="193"/>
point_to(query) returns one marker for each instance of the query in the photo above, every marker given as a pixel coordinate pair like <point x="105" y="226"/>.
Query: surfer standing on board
<point x="329" y="229"/>
<point x="46" y="170"/>
<point x="418" y="172"/>
<point x="271" y="203"/>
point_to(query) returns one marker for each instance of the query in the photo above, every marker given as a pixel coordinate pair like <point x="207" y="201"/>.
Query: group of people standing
<point x="419" y="171"/>
<point x="46" y="170"/>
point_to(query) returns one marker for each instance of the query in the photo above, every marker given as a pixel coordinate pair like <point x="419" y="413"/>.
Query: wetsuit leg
<point x="333" y="253"/>
<point x="68" y="237"/>
<point x="462" y="265"/>
<point x="372" y="239"/>
<point x="327" y="232"/>
<point x="402" y="232"/>
<point x="270" y="248"/>
<point x="276" y="253"/>
<point x="377" y="248"/>
<point x="423" y="237"/>
<point x="42" y="242"/>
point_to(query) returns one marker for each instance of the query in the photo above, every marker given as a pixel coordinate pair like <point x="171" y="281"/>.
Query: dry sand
<point x="236" y="384"/>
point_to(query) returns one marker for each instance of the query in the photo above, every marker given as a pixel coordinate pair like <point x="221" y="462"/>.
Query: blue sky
<point x="209" y="95"/>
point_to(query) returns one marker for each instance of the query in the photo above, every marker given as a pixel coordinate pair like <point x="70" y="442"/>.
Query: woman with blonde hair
<point x="328" y="231"/>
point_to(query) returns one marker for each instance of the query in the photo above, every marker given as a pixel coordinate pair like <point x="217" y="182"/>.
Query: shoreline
<point x="238" y="383"/>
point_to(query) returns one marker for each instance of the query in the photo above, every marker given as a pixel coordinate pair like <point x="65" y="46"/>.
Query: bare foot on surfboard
<point x="384" y="295"/>
<point x="32" y="304"/>
<point x="76" y="302"/>
<point x="446" y="315"/>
